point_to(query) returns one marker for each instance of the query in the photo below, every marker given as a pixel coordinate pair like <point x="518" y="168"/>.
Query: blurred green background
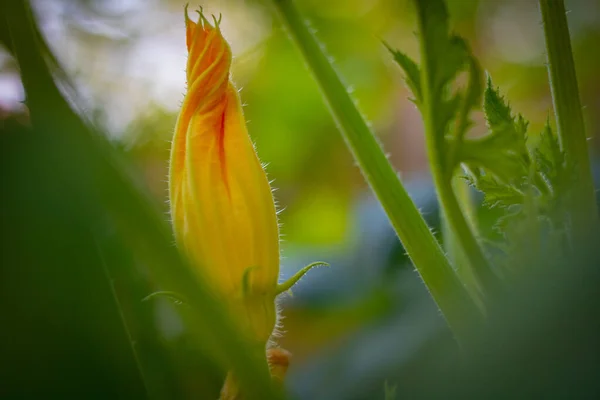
<point x="127" y="59"/>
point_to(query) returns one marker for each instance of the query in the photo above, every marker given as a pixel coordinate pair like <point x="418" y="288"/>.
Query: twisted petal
<point x="221" y="202"/>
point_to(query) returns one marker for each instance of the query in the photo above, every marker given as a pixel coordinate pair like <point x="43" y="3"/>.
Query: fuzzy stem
<point x="567" y="106"/>
<point x="453" y="248"/>
<point x="420" y="244"/>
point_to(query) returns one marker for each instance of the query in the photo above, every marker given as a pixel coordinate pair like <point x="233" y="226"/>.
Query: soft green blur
<point x="127" y="60"/>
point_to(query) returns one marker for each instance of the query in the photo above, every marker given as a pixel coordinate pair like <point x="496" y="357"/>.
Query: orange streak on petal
<point x="221" y="147"/>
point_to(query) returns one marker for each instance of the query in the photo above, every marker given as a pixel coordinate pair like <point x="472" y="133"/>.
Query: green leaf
<point x="411" y="69"/>
<point x="451" y="57"/>
<point x="532" y="186"/>
<point x="447" y="112"/>
<point x="507" y="130"/>
<point x="503" y="151"/>
<point x="496" y="193"/>
<point x="471" y="98"/>
<point x="446" y="54"/>
<point x="498" y="113"/>
<point x="551" y="161"/>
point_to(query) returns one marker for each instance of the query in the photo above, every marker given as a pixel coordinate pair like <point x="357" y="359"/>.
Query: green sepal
<point x="287" y="285"/>
<point x="246" y="281"/>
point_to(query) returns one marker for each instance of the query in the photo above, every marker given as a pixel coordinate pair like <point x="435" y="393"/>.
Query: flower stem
<point x="420" y="244"/>
<point x="442" y="178"/>
<point x="569" y="117"/>
<point x="453" y="248"/>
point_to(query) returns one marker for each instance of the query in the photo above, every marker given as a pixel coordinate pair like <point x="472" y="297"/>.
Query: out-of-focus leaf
<point x="100" y="189"/>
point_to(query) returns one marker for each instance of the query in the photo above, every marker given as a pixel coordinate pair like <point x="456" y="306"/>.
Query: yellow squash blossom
<point x="222" y="208"/>
<point x="221" y="202"/>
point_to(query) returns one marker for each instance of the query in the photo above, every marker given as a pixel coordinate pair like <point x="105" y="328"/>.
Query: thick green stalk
<point x="453" y="248"/>
<point x="567" y="106"/>
<point x="420" y="244"/>
<point x="436" y="148"/>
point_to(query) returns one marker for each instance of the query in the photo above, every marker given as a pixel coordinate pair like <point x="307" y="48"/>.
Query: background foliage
<point x="365" y="320"/>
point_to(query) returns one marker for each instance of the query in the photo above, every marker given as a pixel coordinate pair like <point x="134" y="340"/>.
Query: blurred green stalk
<point x="101" y="183"/>
<point x="452" y="246"/>
<point x="569" y="118"/>
<point x="420" y="244"/>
